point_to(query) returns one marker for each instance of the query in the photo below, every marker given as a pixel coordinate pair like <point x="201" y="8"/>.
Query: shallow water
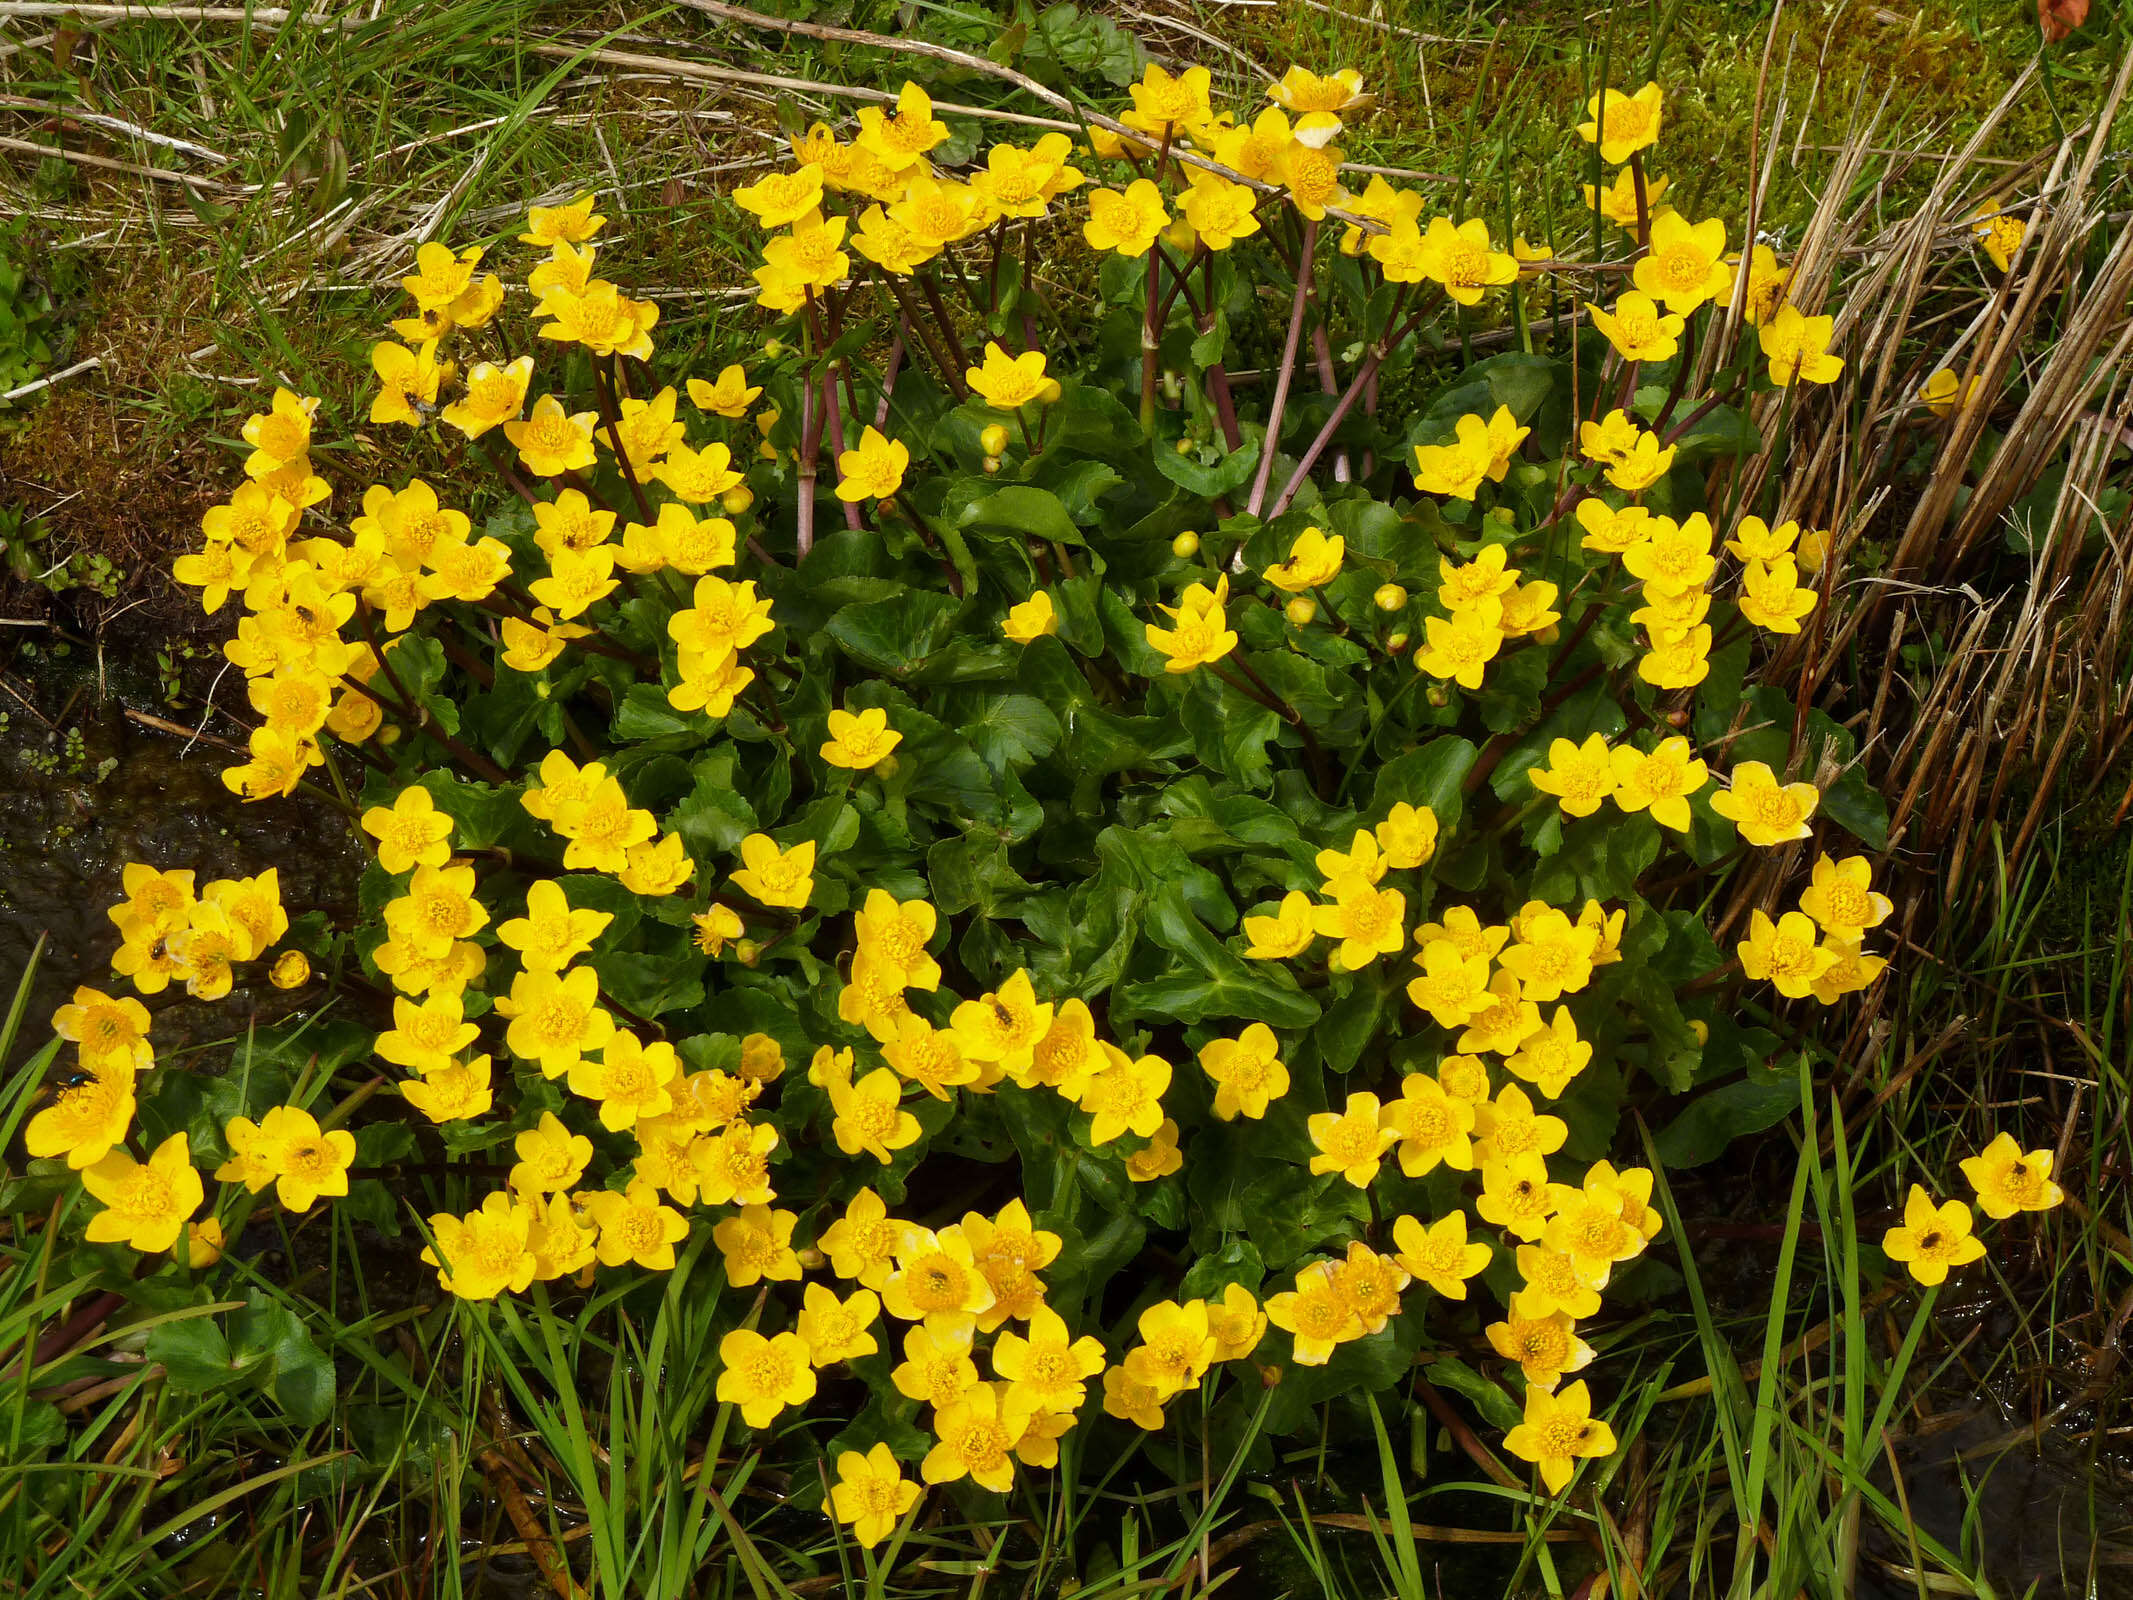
<point x="85" y="789"/>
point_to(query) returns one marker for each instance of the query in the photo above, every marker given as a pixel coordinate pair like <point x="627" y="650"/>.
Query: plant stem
<point x="1288" y="370"/>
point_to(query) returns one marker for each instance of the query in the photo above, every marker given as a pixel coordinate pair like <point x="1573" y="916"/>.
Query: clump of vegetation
<point x="1018" y="900"/>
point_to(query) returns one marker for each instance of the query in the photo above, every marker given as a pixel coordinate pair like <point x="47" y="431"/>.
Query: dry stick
<point x="1151" y="322"/>
<point x="833" y="413"/>
<point x="810" y="445"/>
<point x="950" y="373"/>
<point x="604" y="391"/>
<point x="1288" y="370"/>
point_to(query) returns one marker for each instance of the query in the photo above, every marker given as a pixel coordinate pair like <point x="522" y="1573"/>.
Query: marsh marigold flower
<point x="1439" y="1254"/>
<point x="764" y="1376"/>
<point x="1798" y="347"/>
<point x="859" y="739"/>
<point x="875" y="470"/>
<point x="1031" y="620"/>
<point x="871" y="1494"/>
<point x="1557" y="1431"/>
<point x="2008" y="1179"/>
<point x="1637" y="328"/>
<point x="1622" y="124"/>
<point x="1932" y="1240"/>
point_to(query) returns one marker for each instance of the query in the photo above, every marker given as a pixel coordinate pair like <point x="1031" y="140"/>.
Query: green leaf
<point x="1431" y="776"/>
<point x="896" y="636"/>
<point x="1227" y="474"/>
<point x="1497" y="1408"/>
<point x="645" y="714"/>
<point x="194" y="1354"/>
<point x="1021" y="511"/>
<point x="1713" y="1120"/>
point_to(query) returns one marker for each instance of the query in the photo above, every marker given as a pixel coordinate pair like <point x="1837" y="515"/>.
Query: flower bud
<point x="1302" y="611"/>
<point x="1548" y="635"/>
<point x="993" y="441"/>
<point x="1184" y="447"/>
<point x="991" y="464"/>
<point x="1438" y="696"/>
<point x="1390" y="597"/>
<point x="1396" y="643"/>
<point x="291" y="969"/>
<point x="887" y="767"/>
<point x="1049" y="393"/>
<point x="747" y="952"/>
<point x="736" y="499"/>
<point x="203" y="1243"/>
<point x="1185" y="546"/>
<point x="1702" y="1030"/>
<point x="773" y="348"/>
<point x="390" y="733"/>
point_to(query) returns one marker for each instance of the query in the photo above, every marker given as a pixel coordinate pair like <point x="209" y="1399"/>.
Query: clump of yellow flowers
<point x="1284" y="835"/>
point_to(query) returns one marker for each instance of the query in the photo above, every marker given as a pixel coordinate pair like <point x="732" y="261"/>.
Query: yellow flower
<point x="1771" y="596"/>
<point x="1047" y="1368"/>
<point x="1760" y="291"/>
<point x="1201" y="634"/>
<point x="725" y="617"/>
<point x="1020" y="183"/>
<point x="729" y="397"/>
<point x="1544" y="1345"/>
<point x="1611" y="531"/>
<point x="781" y="197"/>
<point x="862" y="1244"/>
<point x="1163" y="104"/>
<point x="1932" y="1239"/>
<point x="1003" y="1027"/>
<point x="1067" y="1057"/>
<point x="937" y="1369"/>
<point x="936" y="1278"/>
<point x="552" y="441"/>
<point x="1125" y="1096"/>
<point x="1454" y="986"/>
<point x="307" y="1162"/>
<point x="551" y="1159"/>
<point x="1686" y="264"/>
<point x="452" y="1093"/>
<point x="757" y="1244"/>
<point x="291" y="970"/>
<point x="977" y="1437"/>
<point x="1465" y="1077"/>
<point x="2008" y="1180"/>
<point x="1371" y="1284"/>
<point x="900" y="140"/>
<point x="552" y="933"/>
<point x="1219" y="211"/>
<point x="1303" y="91"/>
<point x="280" y="435"/>
<point x="1483" y="451"/>
<point x="699" y="476"/>
<point x="486" y="1252"/>
<point x="1621" y="125"/>
<point x="897" y="933"/>
<point x="1007" y="382"/>
<point x="411" y="833"/>
<point x="1618" y="201"/>
<point x="1461" y="258"/>
<point x="1580" y="776"/>
<point x="1553" y="956"/>
<point x="763" y="1376"/>
<point x="1798" y="347"/>
<point x="1159" y="1157"/>
<point x="1510" y="1020"/>
<point x="870" y="1117"/>
<point x="1352" y="1141"/>
<point x="1315" y="1314"/>
<point x="1610" y="439"/>
<point x="1558" y="1431"/>
<point x="1784" y="952"/>
<point x="1285" y="934"/>
<point x="1998" y="233"/>
<point x="631" y="1080"/>
<point x="1313" y="559"/>
<point x="1637" y="328"/>
<point x="573" y="223"/>
<point x="1310" y="171"/>
<point x="1660" y="781"/>
<point x="111" y="1035"/>
<point x="875" y="470"/>
<point x="1176" y="1347"/>
<point x="1765" y="811"/>
<point x="1947" y="394"/>
<point x="1460" y="649"/>
<point x="1515" y="1194"/>
<point x="860" y="740"/>
<point x="147" y="1203"/>
<point x="871" y="1494"/>
<point x="1432" y="1127"/>
<point x="636" y="1228"/>
<point x="1439" y="1254"/>
<point x="1552" y="1055"/>
<point x="1126" y="221"/>
<point x="203" y="1243"/>
<point x="1031" y="620"/>
<point x="601" y="318"/>
<point x="1368" y="921"/>
<point x="1408" y="836"/>
<point x="1247" y="1072"/>
<point x="773" y="876"/>
<point x="1237" y="1323"/>
<point x="1840" y="897"/>
<point x="1643" y="465"/>
<point x="1131" y="1400"/>
<point x="555" y="1018"/>
<point x="559" y="1235"/>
